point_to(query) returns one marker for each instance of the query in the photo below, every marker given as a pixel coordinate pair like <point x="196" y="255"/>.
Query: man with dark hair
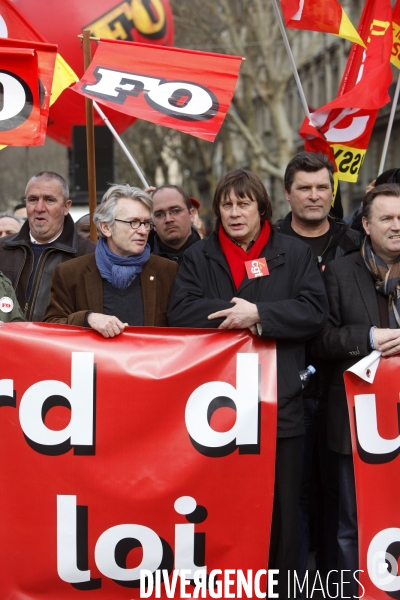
<point x="308" y="184"/>
<point x="364" y="315"/>
<point x="173" y="218"/>
<point x="47" y="238"/>
<point x="212" y="289"/>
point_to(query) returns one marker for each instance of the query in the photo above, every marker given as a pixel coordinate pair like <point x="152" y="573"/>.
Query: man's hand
<point x="107" y="325"/>
<point x="387" y="341"/>
<point x="243" y="315"/>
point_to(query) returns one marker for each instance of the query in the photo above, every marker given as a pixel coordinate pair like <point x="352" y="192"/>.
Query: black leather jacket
<point x="16" y="262"/>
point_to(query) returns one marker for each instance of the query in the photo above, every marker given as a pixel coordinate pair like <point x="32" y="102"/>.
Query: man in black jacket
<point x="173" y="215"/>
<point x="289" y="304"/>
<point x="364" y="315"/>
<point x="47" y="238"/>
<point x="309" y="190"/>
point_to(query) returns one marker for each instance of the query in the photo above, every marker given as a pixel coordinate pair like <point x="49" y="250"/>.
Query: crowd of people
<point x="326" y="292"/>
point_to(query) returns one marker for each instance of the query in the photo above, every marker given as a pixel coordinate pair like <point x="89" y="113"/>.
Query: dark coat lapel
<point x="367" y="289"/>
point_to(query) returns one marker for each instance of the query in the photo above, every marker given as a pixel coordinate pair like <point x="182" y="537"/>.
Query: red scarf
<point x="236" y="256"/>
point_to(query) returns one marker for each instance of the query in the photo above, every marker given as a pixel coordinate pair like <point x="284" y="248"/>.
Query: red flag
<point x="182" y="89"/>
<point x="26" y="76"/>
<point x="396" y="35"/>
<point x="14" y="25"/>
<point x="346" y="123"/>
<point x="319" y="15"/>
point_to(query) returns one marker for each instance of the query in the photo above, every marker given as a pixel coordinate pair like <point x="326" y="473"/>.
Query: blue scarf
<point x="120" y="271"/>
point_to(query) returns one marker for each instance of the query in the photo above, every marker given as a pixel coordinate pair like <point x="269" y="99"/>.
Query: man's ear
<point x="287" y="195"/>
<point x="365" y="224"/>
<point x="105" y="229"/>
<point x="192" y="215"/>
<point x="67" y="206"/>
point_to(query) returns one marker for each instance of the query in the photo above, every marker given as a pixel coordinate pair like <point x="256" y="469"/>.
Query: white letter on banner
<point x="367" y="427"/>
<point x="80" y="397"/>
<point x="14" y="97"/>
<point x="184" y="538"/>
<point x="245" y="397"/>
<point x="67" y="543"/>
<point x="146" y="574"/>
<point x="378" y="559"/>
<point x="105" y="551"/>
<point x="110" y="83"/>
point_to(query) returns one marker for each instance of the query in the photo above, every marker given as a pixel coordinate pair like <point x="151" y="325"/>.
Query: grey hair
<point x="19" y="220"/>
<point x="51" y="176"/>
<point x="107" y="209"/>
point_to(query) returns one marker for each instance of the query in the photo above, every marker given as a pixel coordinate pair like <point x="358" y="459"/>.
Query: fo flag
<point x="372" y="387"/>
<point x="345" y="124"/>
<point x="154" y="450"/>
<point x="182" y="89"/>
<point x="326" y="16"/>
<point x="25" y="75"/>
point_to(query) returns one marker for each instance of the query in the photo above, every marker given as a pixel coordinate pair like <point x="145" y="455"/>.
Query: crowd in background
<point x="325" y="290"/>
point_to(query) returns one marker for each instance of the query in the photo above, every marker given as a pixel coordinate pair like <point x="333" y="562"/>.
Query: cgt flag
<point x="319" y="15"/>
<point x="344" y="126"/>
<point x="395" y="60"/>
<point x="27" y="71"/>
<point x="182" y="89"/>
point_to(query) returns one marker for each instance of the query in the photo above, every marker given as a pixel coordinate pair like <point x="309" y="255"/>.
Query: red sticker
<point x="256" y="268"/>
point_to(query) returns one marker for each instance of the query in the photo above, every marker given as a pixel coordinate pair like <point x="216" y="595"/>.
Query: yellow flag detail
<point x="64" y="76"/>
<point x="395" y="60"/>
<point x="348" y="31"/>
<point x="348" y="161"/>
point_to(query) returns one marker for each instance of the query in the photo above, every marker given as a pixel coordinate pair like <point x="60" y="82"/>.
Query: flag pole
<point x="291" y="59"/>
<point x="121" y="143"/>
<point x="91" y="158"/>
<point x="390" y="125"/>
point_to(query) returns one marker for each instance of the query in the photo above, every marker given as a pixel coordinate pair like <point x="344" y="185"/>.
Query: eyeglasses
<point x="174" y="212"/>
<point x="136" y="223"/>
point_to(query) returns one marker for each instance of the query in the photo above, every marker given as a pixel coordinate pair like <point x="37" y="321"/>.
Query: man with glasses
<point x="121" y="283"/>
<point x="173" y="220"/>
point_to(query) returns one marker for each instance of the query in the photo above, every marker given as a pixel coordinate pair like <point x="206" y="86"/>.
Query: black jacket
<point x="291" y="302"/>
<point x="161" y="249"/>
<point x="16" y="262"/>
<point x="345" y="338"/>
<point x="342" y="241"/>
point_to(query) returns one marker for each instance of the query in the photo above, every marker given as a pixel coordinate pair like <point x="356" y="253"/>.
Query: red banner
<point x="346" y="123"/>
<point x="373" y="400"/>
<point x="153" y="450"/>
<point x="182" y="89"/>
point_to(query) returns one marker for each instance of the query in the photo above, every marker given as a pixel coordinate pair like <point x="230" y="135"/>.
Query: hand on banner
<point x="244" y="315"/>
<point x="387" y="341"/>
<point x="107" y="325"/>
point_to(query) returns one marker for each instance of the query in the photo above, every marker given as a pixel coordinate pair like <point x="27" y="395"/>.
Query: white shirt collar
<point x="33" y="241"/>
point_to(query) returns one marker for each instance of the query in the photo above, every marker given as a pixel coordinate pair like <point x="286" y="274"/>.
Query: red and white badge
<point x="6" y="304"/>
<point x="256" y="268"/>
